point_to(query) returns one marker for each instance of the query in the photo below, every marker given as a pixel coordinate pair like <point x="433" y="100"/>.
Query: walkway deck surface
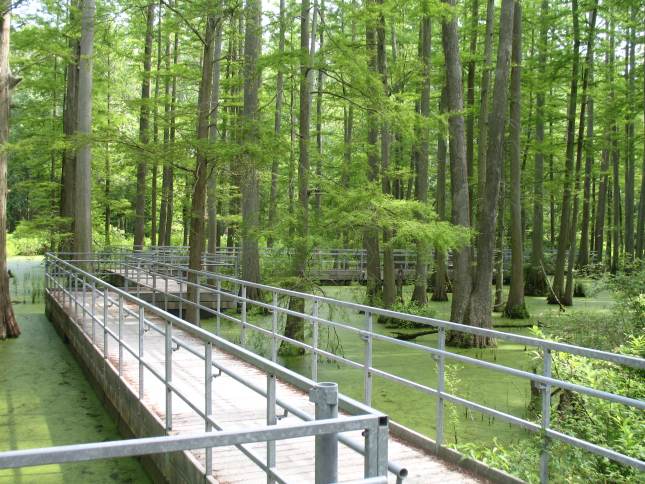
<point x="235" y="406"/>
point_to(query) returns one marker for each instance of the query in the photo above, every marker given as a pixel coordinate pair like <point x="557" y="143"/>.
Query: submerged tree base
<point x="535" y="283"/>
<point x="466" y="340"/>
<point x="516" y="311"/>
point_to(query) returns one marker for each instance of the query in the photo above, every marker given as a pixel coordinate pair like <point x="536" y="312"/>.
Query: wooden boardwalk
<point x="235" y="406"/>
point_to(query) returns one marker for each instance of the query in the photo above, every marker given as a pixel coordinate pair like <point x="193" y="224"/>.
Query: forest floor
<point x="45" y="399"/>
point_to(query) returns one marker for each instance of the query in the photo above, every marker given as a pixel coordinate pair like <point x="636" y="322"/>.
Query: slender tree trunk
<point x="640" y="228"/>
<point x="370" y="234"/>
<point x="441" y="271"/>
<point x="108" y="105"/>
<point x="470" y="95"/>
<point x="294" y="327"/>
<point x="583" y="254"/>
<point x="166" y="175"/>
<point x="601" y="207"/>
<point x="629" y="133"/>
<point x="196" y="229"/>
<point x="213" y="135"/>
<point x="154" y="230"/>
<point x="481" y="298"/>
<point x="565" y="215"/>
<point x="83" y="183"/>
<point x="277" y="128"/>
<point x="536" y="281"/>
<point x="8" y="324"/>
<point x="250" y="185"/>
<point x="482" y="125"/>
<point x="515" y="306"/>
<point x="144" y="135"/>
<point x="319" y="108"/>
<point x="70" y="114"/>
<point x="462" y="276"/>
<point x="419" y="295"/>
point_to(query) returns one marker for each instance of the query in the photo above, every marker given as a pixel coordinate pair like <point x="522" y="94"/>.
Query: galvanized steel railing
<point x="148" y="270"/>
<point x="89" y="297"/>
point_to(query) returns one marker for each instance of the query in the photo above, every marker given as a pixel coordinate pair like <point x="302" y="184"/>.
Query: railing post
<point x="120" y="334"/>
<point x="325" y="396"/>
<point x="243" y="317"/>
<point x="367" y="363"/>
<point x="271" y="420"/>
<point x="218" y="310"/>
<point x="105" y="323"/>
<point x="154" y="289"/>
<point x="441" y="377"/>
<point x="165" y="294"/>
<point x="208" y="400"/>
<point x="198" y="302"/>
<point x="314" y="342"/>
<point x="546" y="418"/>
<point x="93" y="311"/>
<point x="181" y="292"/>
<point x="141" y="329"/>
<point x="83" y="308"/>
<point x="168" y="374"/>
<point x="274" y="328"/>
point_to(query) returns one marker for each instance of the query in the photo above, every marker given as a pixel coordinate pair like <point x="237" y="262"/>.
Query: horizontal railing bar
<point x="174" y="443"/>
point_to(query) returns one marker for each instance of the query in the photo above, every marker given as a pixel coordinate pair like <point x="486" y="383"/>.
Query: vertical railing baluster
<point x="271" y="420"/>
<point x="165" y="294"/>
<point x="141" y="330"/>
<point x="120" y="334"/>
<point x="168" y="374"/>
<point x="208" y="400"/>
<point x="314" y="341"/>
<point x="441" y="377"/>
<point x="154" y="289"/>
<point x="367" y="363"/>
<point x="93" y="312"/>
<point x="243" y="317"/>
<point x="198" y="303"/>
<point x="83" y="300"/>
<point x="105" y="323"/>
<point x="181" y="295"/>
<point x="218" y="307"/>
<point x="274" y="328"/>
<point x="546" y="417"/>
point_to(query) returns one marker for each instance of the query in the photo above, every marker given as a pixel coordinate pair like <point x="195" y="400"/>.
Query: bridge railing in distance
<point x="224" y="286"/>
<point x="101" y="310"/>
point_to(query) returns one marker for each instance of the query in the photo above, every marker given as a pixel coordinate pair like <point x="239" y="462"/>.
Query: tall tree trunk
<point x="640" y="228"/>
<point x="630" y="65"/>
<point x="470" y="95"/>
<point x="294" y="327"/>
<point x="277" y="128"/>
<point x="154" y="229"/>
<point x="8" y="324"/>
<point x="567" y="298"/>
<point x="441" y="271"/>
<point x="212" y="133"/>
<point x="374" y="291"/>
<point x="83" y="182"/>
<point x="614" y="254"/>
<point x="419" y="295"/>
<point x="481" y="297"/>
<point x="144" y="134"/>
<point x="250" y="185"/>
<point x="108" y="168"/>
<point x="583" y="254"/>
<point x="482" y="125"/>
<point x="166" y="176"/>
<point x="536" y="280"/>
<point x="515" y="306"/>
<point x="462" y="276"/>
<point x="198" y="203"/>
<point x="70" y="114"/>
<point x="565" y="216"/>
<point x="319" y="108"/>
<point x="601" y="207"/>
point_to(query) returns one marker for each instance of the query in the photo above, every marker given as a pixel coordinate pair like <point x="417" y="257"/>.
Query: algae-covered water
<point x="45" y="399"/>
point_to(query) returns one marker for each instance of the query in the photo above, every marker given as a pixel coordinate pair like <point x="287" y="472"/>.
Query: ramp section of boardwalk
<point x="164" y="376"/>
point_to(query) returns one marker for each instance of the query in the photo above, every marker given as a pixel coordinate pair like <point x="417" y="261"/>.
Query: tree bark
<point x="83" y="182"/>
<point x="277" y="128"/>
<point x="640" y="227"/>
<point x="70" y="114"/>
<point x="629" y="133"/>
<point x="536" y="281"/>
<point x="8" y="324"/>
<point x="250" y="185"/>
<point x="196" y="229"/>
<point x="462" y="277"/>
<point x="565" y="215"/>
<point x="515" y="305"/>
<point x="470" y="95"/>
<point x="439" y="292"/>
<point x="144" y="134"/>
<point x="419" y="295"/>
<point x="481" y="299"/>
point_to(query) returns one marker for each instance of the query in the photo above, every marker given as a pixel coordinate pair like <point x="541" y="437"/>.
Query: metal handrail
<point x="545" y="381"/>
<point x="56" y="268"/>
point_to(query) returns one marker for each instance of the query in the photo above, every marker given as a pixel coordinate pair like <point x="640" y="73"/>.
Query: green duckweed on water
<point x="45" y="400"/>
